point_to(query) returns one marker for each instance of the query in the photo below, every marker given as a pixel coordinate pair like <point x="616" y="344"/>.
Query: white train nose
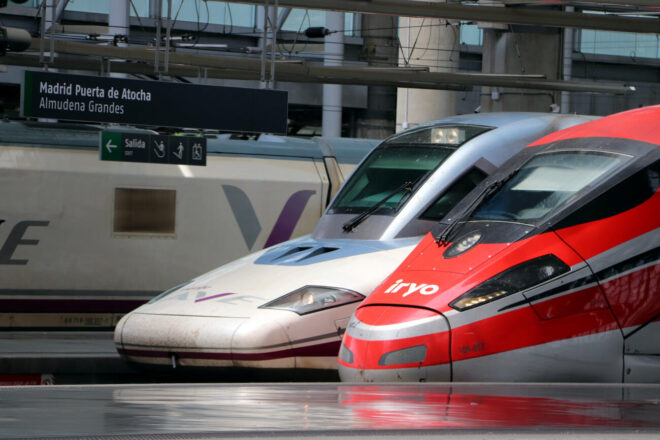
<point x="192" y="340"/>
<point x="201" y="341"/>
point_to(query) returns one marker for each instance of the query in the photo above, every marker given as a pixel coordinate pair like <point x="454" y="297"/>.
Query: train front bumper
<point x="392" y="343"/>
<point x="202" y="341"/>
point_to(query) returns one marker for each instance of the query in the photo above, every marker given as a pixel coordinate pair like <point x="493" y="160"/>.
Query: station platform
<point x="327" y="410"/>
<point x="60" y="357"/>
<point x="74" y="358"/>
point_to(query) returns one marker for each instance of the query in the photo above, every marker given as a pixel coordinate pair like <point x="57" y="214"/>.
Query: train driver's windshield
<point x="544" y="183"/>
<point x="405" y="158"/>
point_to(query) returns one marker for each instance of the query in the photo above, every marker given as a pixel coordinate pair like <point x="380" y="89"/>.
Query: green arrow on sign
<point x="111" y="145"/>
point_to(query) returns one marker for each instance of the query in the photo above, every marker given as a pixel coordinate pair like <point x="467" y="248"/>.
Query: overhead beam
<point x="301" y="71"/>
<point x="451" y="11"/>
<point x="650" y="4"/>
<point x="600" y="4"/>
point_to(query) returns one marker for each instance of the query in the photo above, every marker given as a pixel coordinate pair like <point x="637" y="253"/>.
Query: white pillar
<point x="432" y="43"/>
<point x="118" y="23"/>
<point x="334" y="54"/>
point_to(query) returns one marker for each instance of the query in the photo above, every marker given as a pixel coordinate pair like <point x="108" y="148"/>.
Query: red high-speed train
<point x="547" y="271"/>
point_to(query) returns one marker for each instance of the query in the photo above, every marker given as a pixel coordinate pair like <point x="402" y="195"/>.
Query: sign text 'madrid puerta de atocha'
<point x="137" y="102"/>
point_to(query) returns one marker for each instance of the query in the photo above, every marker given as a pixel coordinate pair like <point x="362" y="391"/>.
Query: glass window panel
<point x="350" y="27"/>
<point x="625" y="44"/>
<point x="301" y="19"/>
<point x="545" y="183"/>
<point x="103" y="6"/>
<point x="405" y="157"/>
<point x="99" y="6"/>
<point x="627" y="194"/>
<point x="454" y="194"/>
<point x="385" y="170"/>
<point x="472" y="35"/>
<point x="209" y="12"/>
<point x="141" y="6"/>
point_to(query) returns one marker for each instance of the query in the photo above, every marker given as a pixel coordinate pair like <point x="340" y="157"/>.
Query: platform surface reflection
<point x="333" y="410"/>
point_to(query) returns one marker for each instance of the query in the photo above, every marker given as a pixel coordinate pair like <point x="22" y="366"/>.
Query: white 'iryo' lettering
<point x="423" y="289"/>
<point x="429" y="289"/>
<point x="413" y="288"/>
<point x="389" y="289"/>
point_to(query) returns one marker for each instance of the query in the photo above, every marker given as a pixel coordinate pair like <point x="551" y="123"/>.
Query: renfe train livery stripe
<point x="69" y="305"/>
<point x="327" y="349"/>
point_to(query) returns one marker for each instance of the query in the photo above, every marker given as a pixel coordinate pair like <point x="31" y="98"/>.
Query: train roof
<point x="67" y="135"/>
<point x="495" y="119"/>
<point x="640" y="124"/>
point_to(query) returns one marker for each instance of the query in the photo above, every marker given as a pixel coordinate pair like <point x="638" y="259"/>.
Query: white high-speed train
<point x="288" y="306"/>
<point x="84" y="241"/>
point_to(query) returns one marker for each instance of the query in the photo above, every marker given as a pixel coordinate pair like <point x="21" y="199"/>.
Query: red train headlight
<point x="515" y="279"/>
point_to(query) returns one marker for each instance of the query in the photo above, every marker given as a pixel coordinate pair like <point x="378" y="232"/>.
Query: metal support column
<point x="334" y="55"/>
<point x="567" y="65"/>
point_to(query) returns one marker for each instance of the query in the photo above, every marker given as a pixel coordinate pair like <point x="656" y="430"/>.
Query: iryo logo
<point x="424" y="289"/>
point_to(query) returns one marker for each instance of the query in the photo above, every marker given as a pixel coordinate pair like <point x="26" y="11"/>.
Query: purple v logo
<point x="249" y="223"/>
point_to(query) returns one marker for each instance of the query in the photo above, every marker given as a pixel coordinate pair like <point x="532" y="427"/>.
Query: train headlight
<point x="310" y="299"/>
<point x="465" y="243"/>
<point x="516" y="279"/>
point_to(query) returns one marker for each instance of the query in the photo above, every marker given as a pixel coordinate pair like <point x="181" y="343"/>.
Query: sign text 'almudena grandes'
<point x="154" y="103"/>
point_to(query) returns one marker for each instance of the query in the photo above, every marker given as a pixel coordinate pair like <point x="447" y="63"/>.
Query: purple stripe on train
<point x="219" y="295"/>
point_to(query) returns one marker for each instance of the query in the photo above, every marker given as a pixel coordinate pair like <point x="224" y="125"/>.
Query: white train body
<point x="84" y="241"/>
<point x="288" y="306"/>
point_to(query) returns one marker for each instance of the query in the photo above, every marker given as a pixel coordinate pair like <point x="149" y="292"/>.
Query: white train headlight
<point x="463" y="244"/>
<point x="310" y="299"/>
<point x="516" y="279"/>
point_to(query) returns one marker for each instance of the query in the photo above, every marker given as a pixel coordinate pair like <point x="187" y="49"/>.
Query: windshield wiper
<point x="449" y="232"/>
<point x="408" y="187"/>
<point x="355" y="221"/>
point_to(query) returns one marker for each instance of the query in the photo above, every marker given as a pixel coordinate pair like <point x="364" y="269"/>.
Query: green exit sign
<point x="151" y="148"/>
<point x="111" y="145"/>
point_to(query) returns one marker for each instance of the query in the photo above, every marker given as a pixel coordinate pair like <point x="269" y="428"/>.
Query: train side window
<point x="150" y="211"/>
<point x="454" y="194"/>
<point x="627" y="194"/>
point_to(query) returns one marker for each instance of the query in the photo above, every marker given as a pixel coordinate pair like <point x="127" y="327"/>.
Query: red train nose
<point x="394" y="343"/>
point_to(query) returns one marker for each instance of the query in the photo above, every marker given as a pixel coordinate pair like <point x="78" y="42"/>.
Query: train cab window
<point x="407" y="157"/>
<point x="150" y="211"/>
<point x="453" y="194"/>
<point x="627" y="194"/>
<point x="383" y="172"/>
<point x="545" y="182"/>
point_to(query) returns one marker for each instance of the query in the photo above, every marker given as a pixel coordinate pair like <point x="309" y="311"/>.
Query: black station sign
<point x="154" y="103"/>
<point x="139" y="147"/>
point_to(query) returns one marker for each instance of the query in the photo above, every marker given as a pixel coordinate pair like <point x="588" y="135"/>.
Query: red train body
<point x="546" y="272"/>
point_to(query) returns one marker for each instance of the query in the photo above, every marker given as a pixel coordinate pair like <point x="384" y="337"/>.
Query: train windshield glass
<point x="544" y="183"/>
<point x="408" y="157"/>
